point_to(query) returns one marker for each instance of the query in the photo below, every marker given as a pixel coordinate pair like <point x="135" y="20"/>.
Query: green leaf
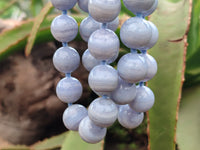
<point x="8" y="5"/>
<point x="193" y="52"/>
<point x="17" y="147"/>
<point x="37" y="22"/>
<point x="74" y="142"/>
<point x="189" y="123"/>
<point x="52" y="143"/>
<point x="172" y="20"/>
<point x="36" y="7"/>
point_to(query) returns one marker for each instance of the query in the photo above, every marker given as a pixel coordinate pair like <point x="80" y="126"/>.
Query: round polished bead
<point x="103" y="79"/>
<point x="89" y="62"/>
<point x="132" y="68"/>
<point x="87" y="27"/>
<point x="63" y="4"/>
<point x="103" y="112"/>
<point x="83" y="4"/>
<point x="154" y="37"/>
<point x="103" y="10"/>
<point x="128" y="118"/>
<point x="64" y="28"/>
<point x="91" y="133"/>
<point x="144" y="99"/>
<point x="73" y="115"/>
<point x="69" y="90"/>
<point x="151" y="67"/>
<point x="140" y="6"/>
<point x="125" y="93"/>
<point x="66" y="59"/>
<point x="103" y="44"/>
<point x="151" y="10"/>
<point x="114" y="24"/>
<point x="136" y="33"/>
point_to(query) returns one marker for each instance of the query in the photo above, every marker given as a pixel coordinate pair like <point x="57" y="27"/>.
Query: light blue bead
<point x="103" y="44"/>
<point x="73" y="115"/>
<point x="103" y="79"/>
<point x="128" y="118"/>
<point x="151" y="10"/>
<point x="114" y="24"/>
<point x="151" y="67"/>
<point x="89" y="62"/>
<point x="64" y="4"/>
<point x="140" y="6"/>
<point x="136" y="33"/>
<point x="64" y="28"/>
<point x="125" y="93"/>
<point x="69" y="90"/>
<point x="154" y="37"/>
<point x="83" y="4"/>
<point x="132" y="68"/>
<point x="66" y="59"/>
<point x="103" y="10"/>
<point x="103" y="112"/>
<point x="144" y="99"/>
<point x="89" y="25"/>
<point x="91" y="133"/>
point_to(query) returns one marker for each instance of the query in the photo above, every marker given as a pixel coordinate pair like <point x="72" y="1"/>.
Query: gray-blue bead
<point x="103" y="112"/>
<point x="136" y="33"/>
<point x="103" y="44"/>
<point x="83" y="4"/>
<point x="66" y="59"/>
<point x="69" y="90"/>
<point x="64" y="28"/>
<point x="64" y="4"/>
<point x="124" y="94"/>
<point x="73" y="115"/>
<point x="144" y="99"/>
<point x="139" y="6"/>
<point x="103" y="79"/>
<point x="128" y="118"/>
<point x="114" y="24"/>
<point x="151" y="67"/>
<point x="151" y="10"/>
<point x="87" y="27"/>
<point x="89" y="62"/>
<point x="132" y="68"/>
<point x="91" y="133"/>
<point x="103" y="10"/>
<point x="154" y="37"/>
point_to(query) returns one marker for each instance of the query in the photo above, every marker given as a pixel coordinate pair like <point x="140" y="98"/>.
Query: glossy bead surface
<point x="136" y="33"/>
<point x="128" y="118"/>
<point x="132" y="68"/>
<point x="91" y="133"/>
<point x="139" y="6"/>
<point x="89" y="62"/>
<point x="63" y="4"/>
<point x="73" y="115"/>
<point x="66" y="59"/>
<point x="103" y="44"/>
<point x="103" y="10"/>
<point x="151" y="67"/>
<point x="144" y="99"/>
<point x="64" y="28"/>
<point x="83" y="4"/>
<point x="103" y="79"/>
<point x="154" y="37"/>
<point x="151" y="10"/>
<point x="87" y="27"/>
<point x="103" y="112"/>
<point x="69" y="90"/>
<point x="125" y="93"/>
